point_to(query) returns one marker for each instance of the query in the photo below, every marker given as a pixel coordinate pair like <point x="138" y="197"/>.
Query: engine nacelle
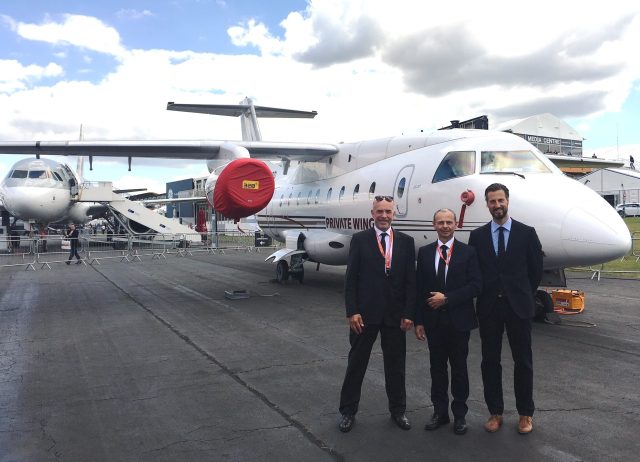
<point x="242" y="188"/>
<point x="327" y="247"/>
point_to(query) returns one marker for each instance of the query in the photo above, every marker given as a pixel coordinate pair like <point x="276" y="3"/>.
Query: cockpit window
<point x="455" y="164"/>
<point x="56" y="176"/>
<point x="511" y="161"/>
<point x="38" y="174"/>
<point x="19" y="174"/>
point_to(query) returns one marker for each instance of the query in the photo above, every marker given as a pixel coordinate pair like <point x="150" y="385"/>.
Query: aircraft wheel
<point x="282" y="271"/>
<point x="544" y="305"/>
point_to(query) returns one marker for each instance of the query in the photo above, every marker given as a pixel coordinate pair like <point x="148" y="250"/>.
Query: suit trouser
<point x="519" y="335"/>
<point x="448" y="344"/>
<point x="393" y="343"/>
<point x="74" y="251"/>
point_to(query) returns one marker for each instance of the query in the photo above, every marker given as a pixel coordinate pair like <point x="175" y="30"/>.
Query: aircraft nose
<point x="594" y="235"/>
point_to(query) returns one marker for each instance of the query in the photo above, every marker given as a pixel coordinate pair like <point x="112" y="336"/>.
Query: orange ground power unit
<point x="567" y="300"/>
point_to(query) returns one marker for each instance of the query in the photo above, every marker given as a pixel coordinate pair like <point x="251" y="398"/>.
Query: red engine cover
<point x="244" y="187"/>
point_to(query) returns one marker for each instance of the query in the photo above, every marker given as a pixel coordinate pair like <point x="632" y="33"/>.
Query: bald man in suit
<point x="379" y="298"/>
<point x="447" y="280"/>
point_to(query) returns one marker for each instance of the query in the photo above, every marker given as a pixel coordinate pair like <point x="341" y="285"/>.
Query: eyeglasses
<point x="384" y="198"/>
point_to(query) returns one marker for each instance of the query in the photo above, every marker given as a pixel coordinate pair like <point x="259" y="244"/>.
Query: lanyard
<point x="387" y="254"/>
<point x="448" y="259"/>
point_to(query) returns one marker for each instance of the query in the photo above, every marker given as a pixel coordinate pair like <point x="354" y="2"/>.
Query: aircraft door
<point x="401" y="190"/>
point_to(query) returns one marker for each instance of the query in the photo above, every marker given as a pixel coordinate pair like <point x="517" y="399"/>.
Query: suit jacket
<point x="517" y="273"/>
<point x="463" y="283"/>
<point x="73" y="237"/>
<point x="378" y="298"/>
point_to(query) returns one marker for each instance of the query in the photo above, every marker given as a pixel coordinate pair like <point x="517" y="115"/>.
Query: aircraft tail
<point x="247" y="111"/>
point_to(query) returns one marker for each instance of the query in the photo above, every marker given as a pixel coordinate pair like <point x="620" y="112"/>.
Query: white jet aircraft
<point x="316" y="205"/>
<point x="44" y="191"/>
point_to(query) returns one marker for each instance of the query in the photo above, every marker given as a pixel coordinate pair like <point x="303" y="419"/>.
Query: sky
<point x="371" y="68"/>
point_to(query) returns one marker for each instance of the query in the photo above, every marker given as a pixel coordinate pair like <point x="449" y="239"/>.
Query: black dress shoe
<point x="437" y="421"/>
<point x="401" y="421"/>
<point x="346" y="423"/>
<point x="459" y="426"/>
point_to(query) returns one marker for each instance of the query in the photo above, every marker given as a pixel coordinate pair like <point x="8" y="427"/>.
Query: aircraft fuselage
<point x="317" y="206"/>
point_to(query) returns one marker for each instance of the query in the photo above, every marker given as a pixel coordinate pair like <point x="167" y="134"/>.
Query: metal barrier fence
<point x="40" y="252"/>
<point x="634" y="254"/>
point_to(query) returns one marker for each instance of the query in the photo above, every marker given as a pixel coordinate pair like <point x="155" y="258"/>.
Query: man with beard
<point x="379" y="297"/>
<point x="510" y="257"/>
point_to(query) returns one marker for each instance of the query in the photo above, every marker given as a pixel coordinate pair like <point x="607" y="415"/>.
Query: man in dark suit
<point x="447" y="280"/>
<point x="379" y="297"/>
<point x="510" y="257"/>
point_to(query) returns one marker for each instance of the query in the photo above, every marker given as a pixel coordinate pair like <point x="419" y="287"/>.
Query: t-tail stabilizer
<point x="247" y="111"/>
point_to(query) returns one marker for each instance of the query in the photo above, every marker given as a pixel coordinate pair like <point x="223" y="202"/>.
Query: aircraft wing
<point x="187" y="149"/>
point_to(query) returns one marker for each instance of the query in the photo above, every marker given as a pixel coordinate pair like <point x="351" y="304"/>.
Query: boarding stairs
<point x="102" y="191"/>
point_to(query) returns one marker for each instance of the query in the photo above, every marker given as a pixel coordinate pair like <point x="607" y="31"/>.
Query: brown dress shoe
<point x="525" y="425"/>
<point x="493" y="424"/>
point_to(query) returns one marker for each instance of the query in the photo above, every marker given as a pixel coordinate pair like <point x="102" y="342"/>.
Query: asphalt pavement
<point x="149" y="361"/>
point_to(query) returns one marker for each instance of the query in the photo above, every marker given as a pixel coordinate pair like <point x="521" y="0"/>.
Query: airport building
<point x="616" y="185"/>
<point x="547" y="132"/>
<point x="187" y="212"/>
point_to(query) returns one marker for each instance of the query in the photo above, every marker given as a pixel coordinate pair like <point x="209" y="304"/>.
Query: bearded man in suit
<point x="510" y="257"/>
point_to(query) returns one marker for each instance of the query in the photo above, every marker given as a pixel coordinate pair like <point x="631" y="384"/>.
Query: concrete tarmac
<point x="150" y="362"/>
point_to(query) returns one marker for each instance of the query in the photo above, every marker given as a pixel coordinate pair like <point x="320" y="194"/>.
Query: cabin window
<point x="309" y="197"/>
<point x="317" y="196"/>
<point x="341" y="193"/>
<point x="329" y="194"/>
<point x="19" y="174"/>
<point x="455" y="164"/>
<point x="511" y="161"/>
<point x="281" y="200"/>
<point x="298" y="199"/>
<point x="401" y="185"/>
<point x="38" y="174"/>
<point x="355" y="192"/>
<point x="289" y="200"/>
<point x="372" y="190"/>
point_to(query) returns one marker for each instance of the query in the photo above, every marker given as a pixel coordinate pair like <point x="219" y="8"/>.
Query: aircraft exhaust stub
<point x="244" y="187"/>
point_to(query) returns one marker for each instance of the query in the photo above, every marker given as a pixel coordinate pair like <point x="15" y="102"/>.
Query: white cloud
<point x="133" y="14"/>
<point x="404" y="66"/>
<point x="76" y="30"/>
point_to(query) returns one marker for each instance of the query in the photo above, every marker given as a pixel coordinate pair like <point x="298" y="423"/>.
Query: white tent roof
<point x="541" y="125"/>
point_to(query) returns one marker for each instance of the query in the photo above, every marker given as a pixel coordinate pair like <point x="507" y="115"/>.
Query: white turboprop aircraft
<point x="316" y="205"/>
<point x="44" y="191"/>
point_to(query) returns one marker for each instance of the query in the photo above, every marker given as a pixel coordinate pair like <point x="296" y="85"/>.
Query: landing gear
<point x="295" y="271"/>
<point x="282" y="271"/>
<point x="299" y="274"/>
<point x="544" y="305"/>
<point x="297" y="268"/>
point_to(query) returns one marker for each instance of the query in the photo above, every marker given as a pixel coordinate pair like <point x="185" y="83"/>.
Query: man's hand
<point x="406" y="325"/>
<point x="420" y="333"/>
<point x="436" y="300"/>
<point x="355" y="323"/>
